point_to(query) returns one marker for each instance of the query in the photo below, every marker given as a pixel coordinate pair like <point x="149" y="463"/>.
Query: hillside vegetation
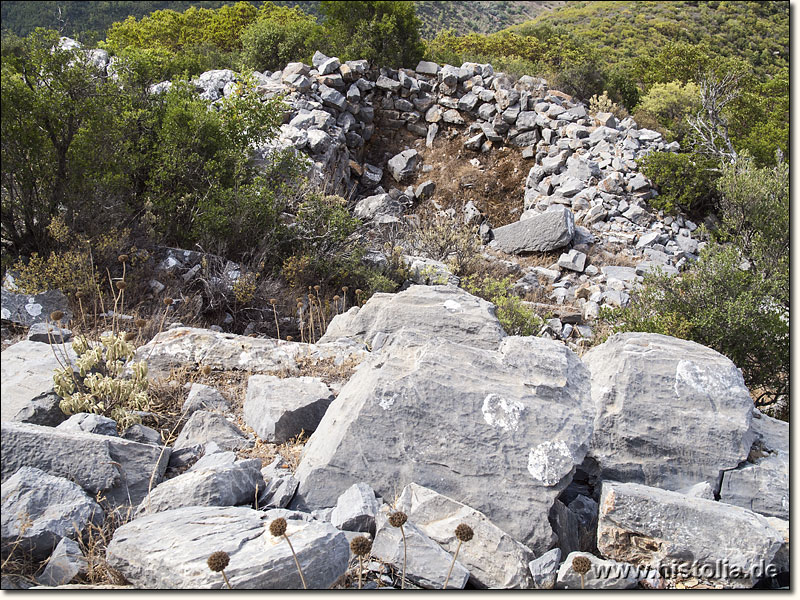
<point x="94" y="18"/>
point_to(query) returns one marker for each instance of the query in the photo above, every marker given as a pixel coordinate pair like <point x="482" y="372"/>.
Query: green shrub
<point x="668" y="104"/>
<point x="514" y="316"/>
<point x="279" y="36"/>
<point x="684" y="181"/>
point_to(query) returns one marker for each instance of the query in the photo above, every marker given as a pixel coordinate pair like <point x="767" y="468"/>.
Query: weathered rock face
<point x="27" y="309"/>
<point x="540" y="233"/>
<point x="494" y="559"/>
<point x="27" y="376"/>
<point x="355" y="509"/>
<point x="544" y="569"/>
<point x="40" y="509"/>
<point x="434" y="312"/>
<point x="204" y="427"/>
<point x="89" y="423"/>
<point x="649" y="526"/>
<point x="119" y="468"/>
<point x="176" y="558"/>
<point x="64" y="564"/>
<point x="223" y="481"/>
<point x="226" y="351"/>
<point x="204" y="397"/>
<point x="427" y="563"/>
<point x="502" y="436"/>
<point x="279" y="409"/>
<point x="670" y="413"/>
<point x="761" y="484"/>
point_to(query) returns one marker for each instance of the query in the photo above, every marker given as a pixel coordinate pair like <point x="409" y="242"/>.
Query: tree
<point x="383" y="32"/>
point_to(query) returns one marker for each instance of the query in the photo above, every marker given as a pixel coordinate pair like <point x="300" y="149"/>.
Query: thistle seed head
<point x="464" y="532"/>
<point x="167" y="301"/>
<point x="581" y="565"/>
<point x="56" y="315"/>
<point x="123" y="258"/>
<point x="218" y="561"/>
<point x="205" y="369"/>
<point x="289" y="338"/>
<point x="121" y="284"/>
<point x="140" y="323"/>
<point x="278" y="527"/>
<point x="398" y="519"/>
<point x="361" y="546"/>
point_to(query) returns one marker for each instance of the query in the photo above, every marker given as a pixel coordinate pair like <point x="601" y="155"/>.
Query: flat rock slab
<point x="204" y="427"/>
<point x="494" y="559"/>
<point x="176" y="558"/>
<point x="670" y="413"/>
<point x="188" y="346"/>
<point x="762" y="483"/>
<point x="427" y="563"/>
<point x="119" y="468"/>
<point x="503" y="435"/>
<point x="228" y="483"/>
<point x="543" y="232"/>
<point x="27" y="375"/>
<point x="39" y="510"/>
<point x="278" y="409"/>
<point x="650" y="526"/>
<point x="438" y="312"/>
<point x="27" y="309"/>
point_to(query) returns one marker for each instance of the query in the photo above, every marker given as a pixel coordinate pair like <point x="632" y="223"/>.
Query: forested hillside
<point x="94" y="18"/>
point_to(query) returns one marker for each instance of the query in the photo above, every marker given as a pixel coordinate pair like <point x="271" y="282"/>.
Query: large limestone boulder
<point x="121" y="469"/>
<point x="501" y="430"/>
<point x="279" y="409"/>
<point x="189" y="346"/>
<point x="214" y="480"/>
<point x="40" y="509"/>
<point x="761" y="484"/>
<point x="494" y="559"/>
<point x="650" y="526"/>
<point x="27" y="375"/>
<point x="543" y="232"/>
<point x="438" y="312"/>
<point x="27" y="309"/>
<point x="670" y="413"/>
<point x="176" y="557"/>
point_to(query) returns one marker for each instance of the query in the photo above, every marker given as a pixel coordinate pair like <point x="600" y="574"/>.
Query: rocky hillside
<point x="529" y="462"/>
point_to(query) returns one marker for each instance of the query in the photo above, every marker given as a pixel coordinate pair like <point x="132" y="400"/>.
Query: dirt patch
<point x="496" y="186"/>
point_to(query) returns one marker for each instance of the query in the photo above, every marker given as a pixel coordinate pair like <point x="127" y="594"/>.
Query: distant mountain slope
<point x="755" y="31"/>
<point x="21" y="17"/>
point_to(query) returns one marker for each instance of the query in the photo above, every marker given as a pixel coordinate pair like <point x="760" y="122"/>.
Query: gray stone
<point x="42" y="410"/>
<point x="493" y="558"/>
<point x="27" y="309"/>
<point x="203" y="427"/>
<point x="425" y="190"/>
<point x="176" y="558"/>
<point x="27" y="376"/>
<point x="573" y="261"/>
<point x="40" y="509"/>
<point x="523" y="415"/>
<point x="48" y="333"/>
<point x="402" y="165"/>
<point x="328" y="66"/>
<point x="603" y="575"/>
<point x="606" y="119"/>
<point x="318" y="141"/>
<point x="280" y="488"/>
<point x="541" y="233"/>
<point x="544" y="569"/>
<point x="355" y="509"/>
<point x="317" y="60"/>
<point x="331" y="97"/>
<point x="231" y="483"/>
<point x="426" y="562"/>
<point x="700" y="490"/>
<point x="143" y="435"/>
<point x="378" y="205"/>
<point x="279" y="409"/>
<point x="650" y="526"/>
<point x="426" y="271"/>
<point x="186" y="346"/>
<point x="781" y="560"/>
<point x="453" y="117"/>
<point x="89" y="423"/>
<point x="425" y="67"/>
<point x="761" y="484"/>
<point x="204" y="397"/>
<point x="434" y="312"/>
<point x="122" y="470"/>
<point x="620" y="273"/>
<point x="64" y="564"/>
<point x="385" y="83"/>
<point x="634" y="377"/>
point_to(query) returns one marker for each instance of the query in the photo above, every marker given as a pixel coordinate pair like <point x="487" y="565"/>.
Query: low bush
<point x="514" y="316"/>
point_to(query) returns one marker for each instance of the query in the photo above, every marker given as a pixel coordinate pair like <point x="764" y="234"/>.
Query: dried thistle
<point x="581" y="565"/>
<point x="140" y="323"/>
<point x="121" y="285"/>
<point x="278" y="528"/>
<point x="217" y="563"/>
<point x="398" y="519"/>
<point x="123" y="258"/>
<point x="56" y="315"/>
<point x="464" y="533"/>
<point x="168" y="301"/>
<point x="205" y="370"/>
<point x="361" y="547"/>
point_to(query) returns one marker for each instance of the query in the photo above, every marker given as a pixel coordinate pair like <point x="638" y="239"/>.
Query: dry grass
<point x="95" y="542"/>
<point x="614" y="254"/>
